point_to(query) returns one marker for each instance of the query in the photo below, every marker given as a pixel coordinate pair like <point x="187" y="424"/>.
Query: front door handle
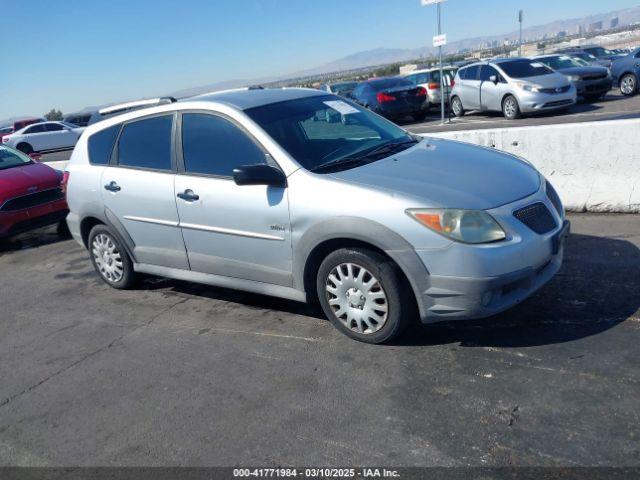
<point x="112" y="187"/>
<point x="188" y="196"/>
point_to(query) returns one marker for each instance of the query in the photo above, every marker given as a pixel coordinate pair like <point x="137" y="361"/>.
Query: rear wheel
<point x="628" y="84"/>
<point x="25" y="148"/>
<point x="510" y="108"/>
<point x="111" y="260"/>
<point x="456" y="107"/>
<point x="364" y="295"/>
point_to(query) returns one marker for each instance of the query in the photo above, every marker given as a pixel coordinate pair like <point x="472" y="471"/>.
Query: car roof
<point x="244" y="99"/>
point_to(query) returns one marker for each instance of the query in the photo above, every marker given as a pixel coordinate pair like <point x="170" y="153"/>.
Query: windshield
<point x="12" y="158"/>
<point x="560" y="62"/>
<point x="322" y="129"/>
<point x="600" y="51"/>
<point x="524" y="68"/>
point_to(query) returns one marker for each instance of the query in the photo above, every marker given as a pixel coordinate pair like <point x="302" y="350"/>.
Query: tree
<point x="53" y="115"/>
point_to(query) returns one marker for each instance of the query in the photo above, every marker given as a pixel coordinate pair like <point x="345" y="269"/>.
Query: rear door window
<point x="101" y="145"/>
<point x="53" y="127"/>
<point x="146" y="143"/>
<point x="472" y="73"/>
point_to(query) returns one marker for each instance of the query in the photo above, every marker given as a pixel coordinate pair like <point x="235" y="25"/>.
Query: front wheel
<point x="510" y="108"/>
<point x="111" y="260"/>
<point x="456" y="107"/>
<point x="628" y="84"/>
<point x="364" y="295"/>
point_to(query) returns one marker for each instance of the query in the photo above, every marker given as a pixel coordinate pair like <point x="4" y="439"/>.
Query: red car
<point x="32" y="195"/>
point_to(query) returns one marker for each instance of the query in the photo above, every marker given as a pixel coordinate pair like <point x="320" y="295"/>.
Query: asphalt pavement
<point x="614" y="106"/>
<point x="181" y="374"/>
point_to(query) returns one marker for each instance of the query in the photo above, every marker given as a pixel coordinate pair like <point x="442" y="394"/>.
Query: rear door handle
<point x="188" y="196"/>
<point x="112" y="187"/>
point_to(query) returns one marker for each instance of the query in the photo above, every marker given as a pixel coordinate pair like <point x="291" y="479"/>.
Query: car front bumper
<point x="477" y="281"/>
<point x="594" y="87"/>
<point x="20" y="221"/>
<point x="531" y="102"/>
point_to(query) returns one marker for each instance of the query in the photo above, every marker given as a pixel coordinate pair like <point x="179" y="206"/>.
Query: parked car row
<point x="513" y="86"/>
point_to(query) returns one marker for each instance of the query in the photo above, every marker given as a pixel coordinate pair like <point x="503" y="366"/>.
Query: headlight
<point x="466" y="226"/>
<point x="528" y="87"/>
<point x="574" y="78"/>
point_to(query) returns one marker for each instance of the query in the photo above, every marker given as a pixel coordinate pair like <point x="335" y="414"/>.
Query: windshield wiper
<point x="367" y="156"/>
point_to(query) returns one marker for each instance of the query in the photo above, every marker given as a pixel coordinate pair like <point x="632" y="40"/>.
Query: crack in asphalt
<point x="10" y="398"/>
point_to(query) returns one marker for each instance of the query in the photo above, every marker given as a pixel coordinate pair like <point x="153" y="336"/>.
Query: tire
<point x="510" y="108"/>
<point x="105" y="247"/>
<point x="352" y="280"/>
<point x="456" y="107"/>
<point x="419" y="117"/>
<point x="628" y="84"/>
<point x="25" y="148"/>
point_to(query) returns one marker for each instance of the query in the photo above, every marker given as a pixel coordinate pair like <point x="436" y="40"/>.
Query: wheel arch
<point x="23" y="143"/>
<point x="345" y="232"/>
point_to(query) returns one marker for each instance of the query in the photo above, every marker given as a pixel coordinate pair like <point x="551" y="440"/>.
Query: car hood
<point x="22" y="180"/>
<point x="450" y="174"/>
<point x="552" y="80"/>
<point x="582" y="71"/>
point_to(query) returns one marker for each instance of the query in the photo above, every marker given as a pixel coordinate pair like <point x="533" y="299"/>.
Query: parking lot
<point x="615" y="106"/>
<point x="181" y="374"/>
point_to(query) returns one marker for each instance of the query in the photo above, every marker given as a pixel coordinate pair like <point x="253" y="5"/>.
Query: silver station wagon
<point x="255" y="190"/>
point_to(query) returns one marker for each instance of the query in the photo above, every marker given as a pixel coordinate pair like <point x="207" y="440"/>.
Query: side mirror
<point x="259" y="175"/>
<point x="494" y="79"/>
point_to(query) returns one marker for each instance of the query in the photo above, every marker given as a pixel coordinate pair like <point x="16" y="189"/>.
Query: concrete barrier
<point x="595" y="166"/>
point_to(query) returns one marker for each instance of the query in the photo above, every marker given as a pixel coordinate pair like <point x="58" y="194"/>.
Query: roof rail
<point x="123" y="107"/>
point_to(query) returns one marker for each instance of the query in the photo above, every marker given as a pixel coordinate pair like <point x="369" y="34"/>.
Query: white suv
<point x="45" y="137"/>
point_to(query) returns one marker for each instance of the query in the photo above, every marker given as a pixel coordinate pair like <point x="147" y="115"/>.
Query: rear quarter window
<point x="101" y="145"/>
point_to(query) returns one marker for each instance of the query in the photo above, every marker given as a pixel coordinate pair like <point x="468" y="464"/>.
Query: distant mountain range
<point x="381" y="56"/>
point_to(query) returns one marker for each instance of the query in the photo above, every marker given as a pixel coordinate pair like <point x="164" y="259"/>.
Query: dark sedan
<point x="393" y="97"/>
<point x="591" y="82"/>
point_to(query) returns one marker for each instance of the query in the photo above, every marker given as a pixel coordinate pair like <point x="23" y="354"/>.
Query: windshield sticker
<point x="537" y="65"/>
<point x="565" y="58"/>
<point x="341" y="107"/>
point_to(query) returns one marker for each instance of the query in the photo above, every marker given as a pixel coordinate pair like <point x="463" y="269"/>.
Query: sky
<point x="69" y="54"/>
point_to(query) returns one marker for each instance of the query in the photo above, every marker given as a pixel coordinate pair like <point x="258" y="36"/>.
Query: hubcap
<point x="456" y="106"/>
<point x="357" y="298"/>
<point x="107" y="258"/>
<point x="510" y="107"/>
<point x="628" y="85"/>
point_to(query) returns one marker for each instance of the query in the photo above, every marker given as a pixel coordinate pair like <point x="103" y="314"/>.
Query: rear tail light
<point x="453" y="83"/>
<point x="36" y="157"/>
<point x="64" y="181"/>
<point x="434" y="86"/>
<point x="421" y="92"/>
<point x="385" y="97"/>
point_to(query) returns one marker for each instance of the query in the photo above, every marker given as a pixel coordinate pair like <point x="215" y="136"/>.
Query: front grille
<point x="597" y="76"/>
<point x="564" y="89"/>
<point x="537" y="217"/>
<point x="32" y="200"/>
<point x="554" y="198"/>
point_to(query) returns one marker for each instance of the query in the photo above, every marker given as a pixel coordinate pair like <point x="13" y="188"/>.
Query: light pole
<point x="439" y="41"/>
<point x="520" y="43"/>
